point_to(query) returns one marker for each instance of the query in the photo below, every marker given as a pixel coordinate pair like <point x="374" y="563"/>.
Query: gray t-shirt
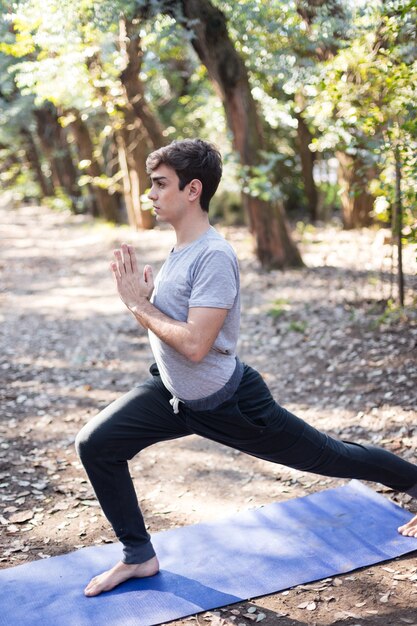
<point x="203" y="274"/>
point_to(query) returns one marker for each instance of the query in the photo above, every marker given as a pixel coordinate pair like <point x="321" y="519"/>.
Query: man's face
<point x="169" y="203"/>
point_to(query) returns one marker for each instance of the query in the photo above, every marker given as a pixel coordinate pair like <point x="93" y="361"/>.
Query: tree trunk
<point x="105" y="202"/>
<point x="274" y="245"/>
<point x="141" y="131"/>
<point x="32" y="156"/>
<point x="55" y="147"/>
<point x="129" y="41"/>
<point x="307" y="164"/>
<point x="132" y="158"/>
<point x="357" y="201"/>
<point x="137" y="151"/>
<point x="398" y="223"/>
<point x="127" y="187"/>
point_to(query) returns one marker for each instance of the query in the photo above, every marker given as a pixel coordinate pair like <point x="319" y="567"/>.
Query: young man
<point x="198" y="384"/>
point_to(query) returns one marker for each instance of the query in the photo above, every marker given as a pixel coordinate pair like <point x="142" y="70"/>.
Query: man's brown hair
<point x="191" y="158"/>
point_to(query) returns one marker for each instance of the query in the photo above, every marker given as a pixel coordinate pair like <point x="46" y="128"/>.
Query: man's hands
<point x="193" y="338"/>
<point x="134" y="287"/>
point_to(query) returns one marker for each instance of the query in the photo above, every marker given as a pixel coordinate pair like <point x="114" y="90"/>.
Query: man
<point x="198" y="384"/>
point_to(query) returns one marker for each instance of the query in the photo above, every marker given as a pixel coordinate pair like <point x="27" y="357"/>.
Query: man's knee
<point x="85" y="443"/>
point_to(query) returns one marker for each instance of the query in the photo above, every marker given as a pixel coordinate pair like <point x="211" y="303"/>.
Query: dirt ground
<point x="321" y="336"/>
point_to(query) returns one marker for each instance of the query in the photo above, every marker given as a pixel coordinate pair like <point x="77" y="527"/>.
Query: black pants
<point x="250" y="421"/>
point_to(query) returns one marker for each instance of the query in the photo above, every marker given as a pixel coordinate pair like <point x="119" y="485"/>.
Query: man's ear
<point x="195" y="189"/>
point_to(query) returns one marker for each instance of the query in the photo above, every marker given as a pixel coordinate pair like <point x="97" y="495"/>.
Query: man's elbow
<point x="196" y="357"/>
<point x="196" y="353"/>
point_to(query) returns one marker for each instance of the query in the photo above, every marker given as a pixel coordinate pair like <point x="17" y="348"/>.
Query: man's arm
<point x="193" y="338"/>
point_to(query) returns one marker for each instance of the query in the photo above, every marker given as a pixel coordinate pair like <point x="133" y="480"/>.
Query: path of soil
<point x="321" y="336"/>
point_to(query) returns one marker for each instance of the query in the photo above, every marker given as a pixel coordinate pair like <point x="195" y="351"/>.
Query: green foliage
<point x="392" y="314"/>
<point x="257" y="179"/>
<point x="384" y="189"/>
<point x="298" y="327"/>
<point x="348" y="69"/>
<point x="282" y="54"/>
<point x="15" y="108"/>
<point x="69" y="53"/>
<point x="280" y="311"/>
<point x="279" y="307"/>
<point x="59" y="202"/>
<point x="18" y="178"/>
<point x="367" y="103"/>
<point x="227" y="207"/>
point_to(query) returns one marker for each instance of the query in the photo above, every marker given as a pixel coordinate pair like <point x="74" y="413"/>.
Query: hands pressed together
<point x="134" y="287"/>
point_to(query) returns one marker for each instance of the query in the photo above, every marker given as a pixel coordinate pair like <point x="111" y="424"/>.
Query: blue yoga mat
<point x="209" y="565"/>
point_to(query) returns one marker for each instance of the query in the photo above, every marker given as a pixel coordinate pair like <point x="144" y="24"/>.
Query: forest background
<point x="312" y="103"/>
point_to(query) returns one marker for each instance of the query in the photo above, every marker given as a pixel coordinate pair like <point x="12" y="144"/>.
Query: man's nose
<point x="151" y="194"/>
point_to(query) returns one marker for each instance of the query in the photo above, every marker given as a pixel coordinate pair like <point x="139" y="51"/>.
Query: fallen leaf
<point x="329" y="598"/>
<point x="345" y="615"/>
<point x="40" y="485"/>
<point x="310" y="606"/>
<point x="21" y="517"/>
<point x="60" y="506"/>
<point x="62" y="525"/>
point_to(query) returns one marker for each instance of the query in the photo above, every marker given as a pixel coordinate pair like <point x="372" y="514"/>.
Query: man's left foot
<point x="119" y="574"/>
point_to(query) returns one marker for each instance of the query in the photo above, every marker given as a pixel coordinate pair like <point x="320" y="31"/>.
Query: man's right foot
<point x="410" y="528"/>
<point x="119" y="574"/>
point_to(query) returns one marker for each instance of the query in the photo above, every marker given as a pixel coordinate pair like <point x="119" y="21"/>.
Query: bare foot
<point x="119" y="574"/>
<point x="410" y="528"/>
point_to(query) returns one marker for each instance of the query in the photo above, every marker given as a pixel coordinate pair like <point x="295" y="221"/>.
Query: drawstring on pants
<point x="174" y="402"/>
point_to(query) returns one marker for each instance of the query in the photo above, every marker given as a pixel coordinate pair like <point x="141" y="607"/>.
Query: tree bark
<point x="357" y="201"/>
<point x="137" y="151"/>
<point x="32" y="156"/>
<point x="129" y="41"/>
<point x="307" y="164"/>
<point x="105" y="202"/>
<point x="132" y="153"/>
<point x="141" y="131"/>
<point x="274" y="245"/>
<point x="55" y="147"/>
<point x="127" y="187"/>
<point x="398" y="223"/>
<point x="128" y="128"/>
